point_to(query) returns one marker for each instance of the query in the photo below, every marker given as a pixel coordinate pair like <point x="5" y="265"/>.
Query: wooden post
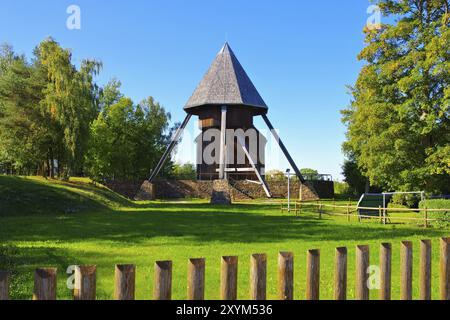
<point x="362" y="265"/>
<point x="380" y="214"/>
<point x="228" y="278"/>
<point x="425" y="270"/>
<point x="125" y="279"/>
<point x="45" y="284"/>
<point x="286" y="276"/>
<point x="384" y="216"/>
<point x="4" y="285"/>
<point x="85" y="283"/>
<point x="258" y="276"/>
<point x="348" y="212"/>
<point x="445" y="269"/>
<point x="406" y="267"/>
<point x="385" y="271"/>
<point x="196" y="279"/>
<point x="426" y="218"/>
<point x="320" y="210"/>
<point x="223" y="130"/>
<point x="313" y="275"/>
<point x="162" y="282"/>
<point x="340" y="274"/>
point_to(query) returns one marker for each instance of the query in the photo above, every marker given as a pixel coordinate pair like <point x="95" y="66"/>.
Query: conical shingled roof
<point x="226" y="83"/>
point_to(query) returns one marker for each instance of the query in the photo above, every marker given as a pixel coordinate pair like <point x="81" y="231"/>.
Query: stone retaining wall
<point x="240" y="190"/>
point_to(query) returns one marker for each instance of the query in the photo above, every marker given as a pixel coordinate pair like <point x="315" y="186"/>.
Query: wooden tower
<point x="226" y="102"/>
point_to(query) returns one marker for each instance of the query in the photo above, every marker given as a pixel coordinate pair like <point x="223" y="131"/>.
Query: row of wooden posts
<point x="85" y="276"/>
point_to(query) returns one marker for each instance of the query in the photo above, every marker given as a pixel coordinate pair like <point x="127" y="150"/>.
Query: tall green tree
<point x="24" y="134"/>
<point x="71" y="99"/>
<point x="398" y="122"/>
<point x="127" y="140"/>
<point x="46" y="107"/>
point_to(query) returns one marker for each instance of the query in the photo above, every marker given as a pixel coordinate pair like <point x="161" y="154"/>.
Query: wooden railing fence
<point x="349" y="211"/>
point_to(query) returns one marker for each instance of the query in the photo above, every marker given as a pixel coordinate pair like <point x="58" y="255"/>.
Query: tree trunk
<point x="367" y="190"/>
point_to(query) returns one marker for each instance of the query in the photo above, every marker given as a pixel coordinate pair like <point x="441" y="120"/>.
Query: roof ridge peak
<point x="226" y="83"/>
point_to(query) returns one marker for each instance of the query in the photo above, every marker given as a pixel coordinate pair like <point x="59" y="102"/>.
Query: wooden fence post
<point x="85" y="283"/>
<point x="320" y="210"/>
<point x="258" y="276"/>
<point x="445" y="269"/>
<point x="380" y="214"/>
<point x="4" y="285"/>
<point x="228" y="278"/>
<point x="45" y="284"/>
<point x="406" y="269"/>
<point x="286" y="276"/>
<point x="385" y="271"/>
<point x="340" y="274"/>
<point x="362" y="265"/>
<point x="124" y="279"/>
<point x="348" y="212"/>
<point x="426" y="218"/>
<point x="425" y="270"/>
<point x="196" y="279"/>
<point x="162" y="281"/>
<point x="313" y="275"/>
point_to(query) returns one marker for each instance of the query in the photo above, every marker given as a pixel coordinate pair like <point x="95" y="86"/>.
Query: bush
<point x="437" y="204"/>
<point x="408" y="200"/>
<point x="342" y="189"/>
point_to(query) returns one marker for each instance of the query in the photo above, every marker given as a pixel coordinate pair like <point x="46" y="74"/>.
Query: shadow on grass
<point x="194" y="223"/>
<point x="22" y="262"/>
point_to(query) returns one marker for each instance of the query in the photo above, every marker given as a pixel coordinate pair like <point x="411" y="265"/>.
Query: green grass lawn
<point x="60" y="224"/>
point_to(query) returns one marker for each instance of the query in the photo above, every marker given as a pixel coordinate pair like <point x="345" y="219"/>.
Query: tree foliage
<point x="398" y="122"/>
<point x="184" y="171"/>
<point x="126" y="139"/>
<point x="54" y="118"/>
<point x="47" y="106"/>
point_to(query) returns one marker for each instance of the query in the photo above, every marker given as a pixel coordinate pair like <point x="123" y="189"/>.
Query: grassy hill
<point x="51" y="223"/>
<point x="35" y="195"/>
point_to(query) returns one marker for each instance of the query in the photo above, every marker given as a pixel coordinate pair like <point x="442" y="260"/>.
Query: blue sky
<point x="299" y="54"/>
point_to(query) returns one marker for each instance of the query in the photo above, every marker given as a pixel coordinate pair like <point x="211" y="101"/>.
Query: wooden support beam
<point x="223" y="132"/>
<point x="284" y="149"/>
<point x="170" y="148"/>
<point x="253" y="164"/>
